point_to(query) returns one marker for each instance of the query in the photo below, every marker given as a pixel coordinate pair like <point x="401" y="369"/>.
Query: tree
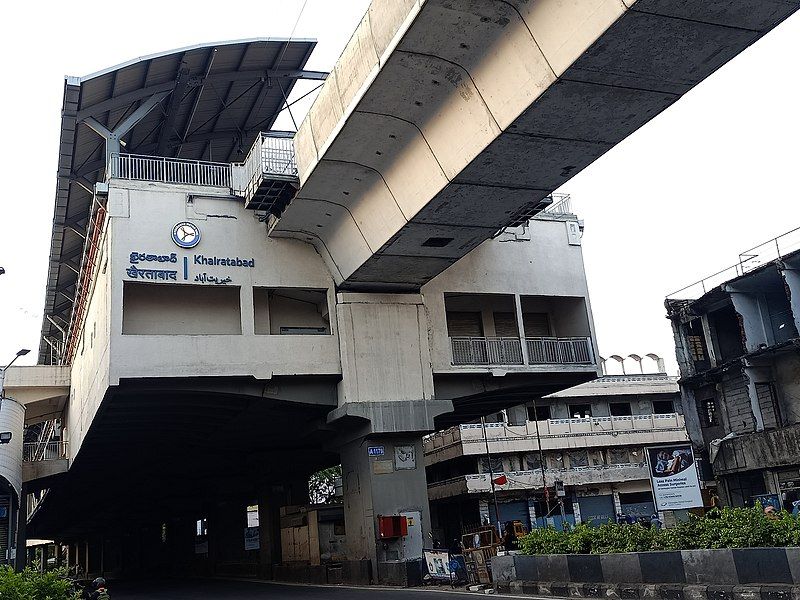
<point x="322" y="485"/>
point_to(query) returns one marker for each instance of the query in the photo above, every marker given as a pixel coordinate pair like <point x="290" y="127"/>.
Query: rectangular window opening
<point x="291" y="311"/>
<point x="663" y="407"/>
<point x="620" y="409"/>
<point x="165" y="309"/>
<point x="539" y="413"/>
<point x="580" y="411"/>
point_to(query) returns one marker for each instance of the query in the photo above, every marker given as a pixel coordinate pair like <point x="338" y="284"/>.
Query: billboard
<point x="674" y="477"/>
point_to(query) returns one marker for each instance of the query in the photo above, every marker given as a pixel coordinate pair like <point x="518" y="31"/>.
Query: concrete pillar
<point x="269" y="535"/>
<point x="59" y="556"/>
<point x="385" y="476"/>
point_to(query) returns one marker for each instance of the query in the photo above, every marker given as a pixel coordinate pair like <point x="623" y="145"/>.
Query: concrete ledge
<point x="644" y="591"/>
<point x="715" y="568"/>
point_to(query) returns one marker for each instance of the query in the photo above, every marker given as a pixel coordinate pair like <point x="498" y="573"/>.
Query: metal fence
<point x="171" y="170"/>
<point x="486" y="351"/>
<point x="748" y="260"/>
<point x="37" y="451"/>
<point x="559" y="351"/>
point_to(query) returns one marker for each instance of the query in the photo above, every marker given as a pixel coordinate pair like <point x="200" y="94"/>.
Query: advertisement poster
<point x="674" y="476"/>
<point x="252" y="539"/>
<point x="438" y="562"/>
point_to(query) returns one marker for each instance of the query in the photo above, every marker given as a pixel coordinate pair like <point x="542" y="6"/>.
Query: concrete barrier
<point x="727" y="574"/>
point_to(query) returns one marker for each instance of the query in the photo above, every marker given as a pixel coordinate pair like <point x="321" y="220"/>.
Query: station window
<point x="291" y="311"/>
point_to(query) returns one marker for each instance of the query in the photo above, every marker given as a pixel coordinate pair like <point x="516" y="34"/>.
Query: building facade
<point x="203" y="363"/>
<point x="739" y="355"/>
<point x="590" y="437"/>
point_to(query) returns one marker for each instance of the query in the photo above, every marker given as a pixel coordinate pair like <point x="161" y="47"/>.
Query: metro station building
<point x="230" y="308"/>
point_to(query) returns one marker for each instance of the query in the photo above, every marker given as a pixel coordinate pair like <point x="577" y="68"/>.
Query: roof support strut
<point x="114" y="138"/>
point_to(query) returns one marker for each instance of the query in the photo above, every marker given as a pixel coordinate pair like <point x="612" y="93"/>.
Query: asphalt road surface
<point x="248" y="590"/>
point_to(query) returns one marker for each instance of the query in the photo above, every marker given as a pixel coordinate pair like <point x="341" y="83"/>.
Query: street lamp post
<point x="11" y="474"/>
<point x="22" y="352"/>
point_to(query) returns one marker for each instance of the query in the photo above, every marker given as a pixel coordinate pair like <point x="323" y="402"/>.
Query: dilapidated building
<point x="587" y="441"/>
<point x="739" y="355"/>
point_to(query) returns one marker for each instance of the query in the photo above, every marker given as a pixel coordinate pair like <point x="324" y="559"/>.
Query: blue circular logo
<point x="186" y="235"/>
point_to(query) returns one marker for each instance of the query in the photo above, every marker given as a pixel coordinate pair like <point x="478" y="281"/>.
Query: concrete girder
<point x="42" y="389"/>
<point x="480" y="93"/>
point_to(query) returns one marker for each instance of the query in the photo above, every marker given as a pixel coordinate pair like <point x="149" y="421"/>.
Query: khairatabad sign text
<point x="140" y="269"/>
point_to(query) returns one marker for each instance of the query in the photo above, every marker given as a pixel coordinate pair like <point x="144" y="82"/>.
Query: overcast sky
<point x="712" y="176"/>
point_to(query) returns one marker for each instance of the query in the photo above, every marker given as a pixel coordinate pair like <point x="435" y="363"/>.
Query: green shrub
<point x="734" y="528"/>
<point x="32" y="585"/>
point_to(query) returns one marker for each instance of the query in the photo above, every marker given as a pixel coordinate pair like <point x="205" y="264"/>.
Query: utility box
<point x="392" y="527"/>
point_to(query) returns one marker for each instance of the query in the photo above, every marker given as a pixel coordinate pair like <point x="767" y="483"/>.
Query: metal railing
<point x="562" y="205"/>
<point x="271" y="154"/>
<point x="52" y="450"/>
<point x="508" y="351"/>
<point x="171" y="170"/>
<point x="486" y="351"/>
<point x="753" y="258"/>
<point x="559" y="351"/>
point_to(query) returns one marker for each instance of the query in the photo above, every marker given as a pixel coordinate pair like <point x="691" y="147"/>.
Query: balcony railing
<point x="271" y="156"/>
<point x="508" y="351"/>
<point x="559" y="351"/>
<point x="594" y="431"/>
<point x="486" y="351"/>
<point x="37" y="451"/>
<point x="532" y="479"/>
<point x="171" y="170"/>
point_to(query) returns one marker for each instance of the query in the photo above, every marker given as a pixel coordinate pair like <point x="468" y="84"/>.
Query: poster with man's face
<point x="674" y="477"/>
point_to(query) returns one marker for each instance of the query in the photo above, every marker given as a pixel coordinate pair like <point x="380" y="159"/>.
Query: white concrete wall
<point x="90" y="375"/>
<point x="142" y="217"/>
<point x="545" y="265"/>
<point x="385" y="355"/>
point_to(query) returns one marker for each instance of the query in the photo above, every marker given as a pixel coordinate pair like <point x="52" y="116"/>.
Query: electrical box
<point x="392" y="527"/>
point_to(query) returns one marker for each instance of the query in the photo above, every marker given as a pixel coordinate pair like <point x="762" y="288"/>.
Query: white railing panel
<point x="171" y="170"/>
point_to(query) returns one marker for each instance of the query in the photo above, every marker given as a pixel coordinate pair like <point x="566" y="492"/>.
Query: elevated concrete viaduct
<point x="446" y="120"/>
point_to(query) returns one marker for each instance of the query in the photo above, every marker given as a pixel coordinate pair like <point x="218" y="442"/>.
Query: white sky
<point x="714" y="175"/>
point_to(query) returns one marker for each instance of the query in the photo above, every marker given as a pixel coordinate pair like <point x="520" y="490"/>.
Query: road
<point x="248" y="590"/>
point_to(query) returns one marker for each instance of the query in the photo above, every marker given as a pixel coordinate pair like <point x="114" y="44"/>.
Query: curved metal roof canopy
<point x="208" y="102"/>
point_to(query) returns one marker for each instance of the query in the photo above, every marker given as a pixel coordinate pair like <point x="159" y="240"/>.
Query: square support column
<point x="384" y="476"/>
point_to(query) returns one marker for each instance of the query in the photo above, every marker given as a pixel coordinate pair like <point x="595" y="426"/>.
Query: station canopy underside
<point x="214" y="100"/>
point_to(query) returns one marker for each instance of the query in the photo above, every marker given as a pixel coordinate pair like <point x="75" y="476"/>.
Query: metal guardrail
<point x="171" y="170"/>
<point x="749" y="260"/>
<point x="559" y="351"/>
<point x="270" y="155"/>
<point x="52" y="450"/>
<point x="508" y="351"/>
<point x="486" y="351"/>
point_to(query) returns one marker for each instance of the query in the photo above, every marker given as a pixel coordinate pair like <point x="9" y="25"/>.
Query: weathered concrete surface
<point x="447" y="118"/>
<point x="32" y="471"/>
<point x="41" y="389"/>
